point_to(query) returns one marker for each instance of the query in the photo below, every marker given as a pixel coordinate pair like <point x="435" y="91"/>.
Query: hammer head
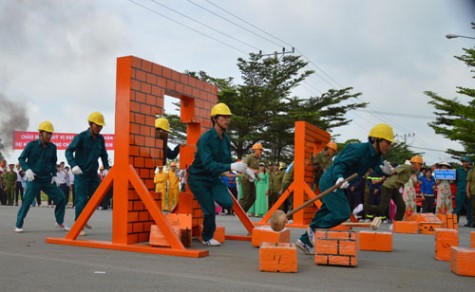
<point x="376" y="223"/>
<point x="277" y="220"/>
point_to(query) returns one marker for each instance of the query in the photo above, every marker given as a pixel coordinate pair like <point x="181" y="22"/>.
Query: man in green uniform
<point x="287" y="180"/>
<point x="355" y="158"/>
<point x="391" y="186"/>
<point x="275" y="184"/>
<point x="82" y="155"/>
<point x="38" y="159"/>
<point x="471" y="193"/>
<point x="10" y="180"/>
<point x="248" y="186"/>
<point x="213" y="159"/>
<point x="322" y="161"/>
<point x="162" y="127"/>
<point x="461" y="198"/>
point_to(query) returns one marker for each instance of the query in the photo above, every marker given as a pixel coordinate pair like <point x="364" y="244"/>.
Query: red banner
<point x="62" y="140"/>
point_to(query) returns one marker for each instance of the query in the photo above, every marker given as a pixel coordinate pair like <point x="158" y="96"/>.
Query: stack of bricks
<point x="263" y="234"/>
<point x="375" y="240"/>
<point x="336" y="247"/>
<point x="148" y="85"/>
<point x="181" y="225"/>
<point x="448" y="221"/>
<point x="462" y="261"/>
<point x="428" y="222"/>
<point x="405" y="227"/>
<point x="444" y="240"/>
<point x="278" y="257"/>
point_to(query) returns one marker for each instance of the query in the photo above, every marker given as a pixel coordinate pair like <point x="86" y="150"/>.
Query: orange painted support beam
<point x="140" y="90"/>
<point x="308" y="141"/>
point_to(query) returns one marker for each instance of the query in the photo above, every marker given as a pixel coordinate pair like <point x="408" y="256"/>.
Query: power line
<point x="189" y="27"/>
<point x="271" y="35"/>
<point x="203" y="24"/>
<point x="403" y="115"/>
<point x="240" y="26"/>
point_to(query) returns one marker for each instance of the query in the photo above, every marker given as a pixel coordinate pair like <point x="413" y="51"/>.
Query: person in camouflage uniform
<point x="248" y="187"/>
<point x="10" y="182"/>
<point x="275" y="184"/>
<point x="322" y="161"/>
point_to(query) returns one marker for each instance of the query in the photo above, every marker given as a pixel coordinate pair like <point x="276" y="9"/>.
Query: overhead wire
<point x="332" y="84"/>
<point x="187" y="26"/>
<point x="204" y="24"/>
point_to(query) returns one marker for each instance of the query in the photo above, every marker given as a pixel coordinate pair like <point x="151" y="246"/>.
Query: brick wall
<point x="148" y="85"/>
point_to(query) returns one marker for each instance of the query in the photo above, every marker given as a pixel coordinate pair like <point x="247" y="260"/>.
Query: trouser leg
<point x="32" y="189"/>
<point x="85" y="187"/>
<point x="400" y="205"/>
<point x="249" y="195"/>
<point x="57" y="195"/>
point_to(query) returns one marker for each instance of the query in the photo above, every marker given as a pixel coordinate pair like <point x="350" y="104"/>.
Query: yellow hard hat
<point x="96" y="118"/>
<point x="257" y="146"/>
<point x="333" y="146"/>
<point x="417" y="159"/>
<point x="162" y="123"/>
<point x="382" y="131"/>
<point x="46" y="126"/>
<point x="220" y="109"/>
<point x="282" y="165"/>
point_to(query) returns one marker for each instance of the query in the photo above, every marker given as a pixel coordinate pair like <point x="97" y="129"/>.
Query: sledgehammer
<point x="279" y="218"/>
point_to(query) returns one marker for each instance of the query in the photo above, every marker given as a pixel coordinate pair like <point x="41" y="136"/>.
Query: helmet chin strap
<point x="216" y="121"/>
<point x="378" y="149"/>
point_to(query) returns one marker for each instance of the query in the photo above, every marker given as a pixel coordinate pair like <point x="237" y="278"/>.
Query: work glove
<point x="250" y="174"/>
<point x="55" y="180"/>
<point x="387" y="168"/>
<point x="239" y="167"/>
<point x="76" y="170"/>
<point x="344" y="185"/>
<point x="105" y="172"/>
<point x="156" y="170"/>
<point x="29" y="175"/>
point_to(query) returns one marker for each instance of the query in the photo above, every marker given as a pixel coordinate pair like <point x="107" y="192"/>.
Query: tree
<point x="455" y="120"/>
<point x="263" y="110"/>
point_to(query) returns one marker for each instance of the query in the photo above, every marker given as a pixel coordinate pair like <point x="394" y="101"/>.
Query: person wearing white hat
<point x="444" y="194"/>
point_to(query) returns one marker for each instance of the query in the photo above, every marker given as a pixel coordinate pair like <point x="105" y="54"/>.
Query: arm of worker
<point x="172" y="154"/>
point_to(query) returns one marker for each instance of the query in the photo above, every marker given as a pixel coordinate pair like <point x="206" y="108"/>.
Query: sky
<point x="58" y="57"/>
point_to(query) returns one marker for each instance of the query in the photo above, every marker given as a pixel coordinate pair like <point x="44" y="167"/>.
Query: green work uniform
<point x="320" y="163"/>
<point x="471" y="179"/>
<point x="461" y="195"/>
<point x="355" y="158"/>
<point x="10" y="182"/>
<point x="287" y="180"/>
<point x="41" y="159"/>
<point x="212" y="158"/>
<point x="390" y="190"/>
<point x="275" y="186"/>
<point x="84" y="151"/>
<point x="249" y="188"/>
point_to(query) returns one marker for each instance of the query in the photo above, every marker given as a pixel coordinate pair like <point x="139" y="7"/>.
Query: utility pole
<point x="275" y="54"/>
<point x="406" y="137"/>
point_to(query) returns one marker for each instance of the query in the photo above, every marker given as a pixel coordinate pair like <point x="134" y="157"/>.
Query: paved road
<point x="29" y="264"/>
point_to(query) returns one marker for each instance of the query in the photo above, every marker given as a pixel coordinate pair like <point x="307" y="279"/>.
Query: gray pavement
<point x="29" y="264"/>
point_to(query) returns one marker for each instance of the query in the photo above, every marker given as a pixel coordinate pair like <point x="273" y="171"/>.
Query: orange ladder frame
<point x="308" y="141"/>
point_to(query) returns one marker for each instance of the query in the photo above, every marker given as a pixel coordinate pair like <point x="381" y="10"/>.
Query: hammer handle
<point x="320" y="195"/>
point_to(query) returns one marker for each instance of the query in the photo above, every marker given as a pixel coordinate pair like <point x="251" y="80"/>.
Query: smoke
<point x="12" y="117"/>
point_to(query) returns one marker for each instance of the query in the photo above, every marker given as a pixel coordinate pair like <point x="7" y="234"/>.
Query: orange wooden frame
<point x="308" y="140"/>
